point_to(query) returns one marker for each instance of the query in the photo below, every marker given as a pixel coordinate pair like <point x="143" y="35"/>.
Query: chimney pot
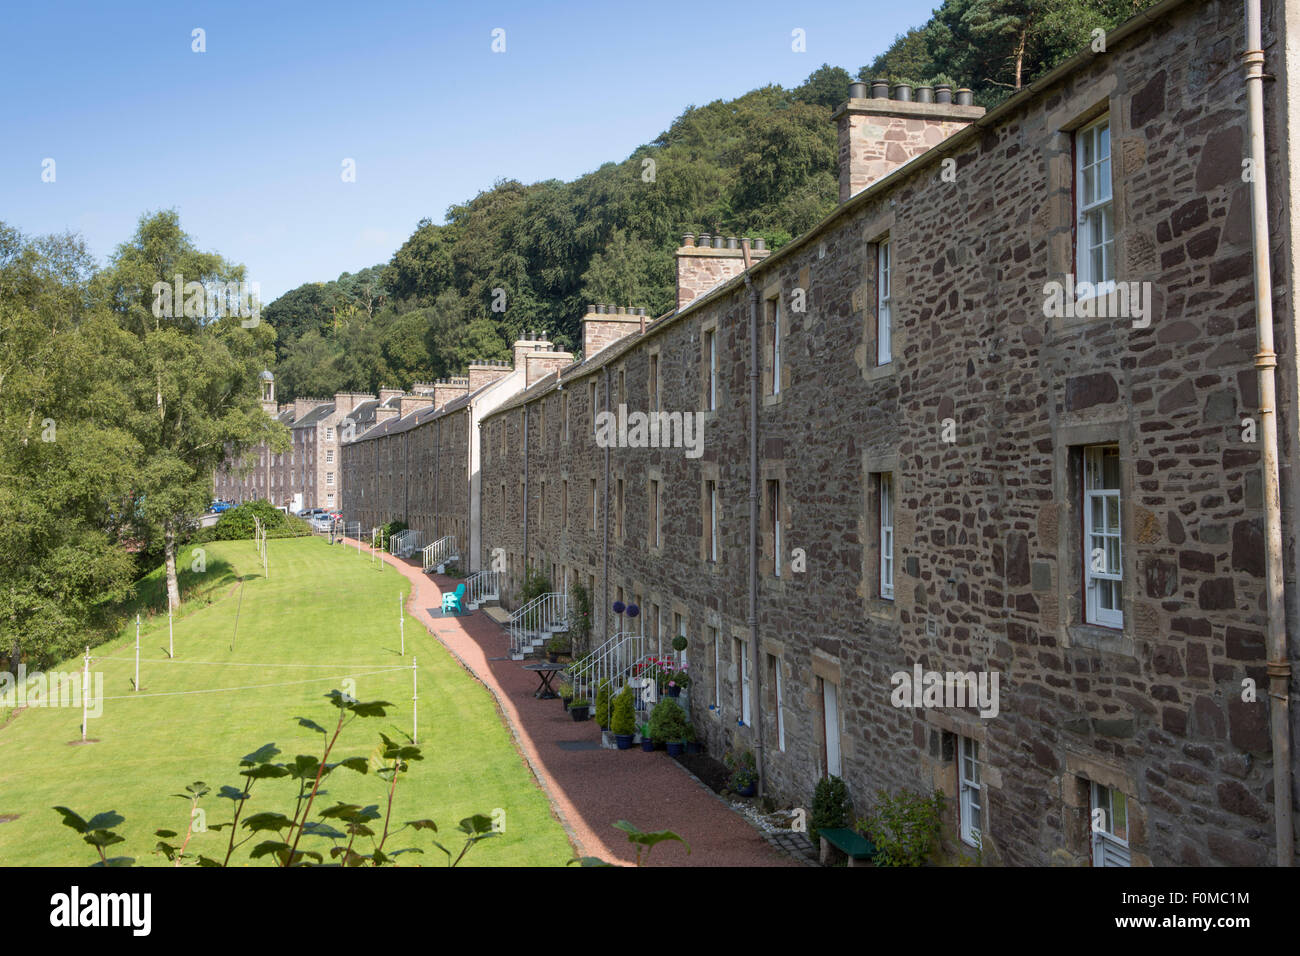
<point x="704" y="240"/>
<point x="688" y="240"/>
<point x="622" y="310"/>
<point x="965" y="97"/>
<point x="731" y="243"/>
<point x="857" y="91"/>
<point x="943" y="93"/>
<point x="760" y="243"/>
<point x="880" y="89"/>
<point x="591" y="309"/>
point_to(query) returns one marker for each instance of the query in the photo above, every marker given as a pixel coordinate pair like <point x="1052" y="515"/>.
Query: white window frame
<point x="776" y="345"/>
<point x="329" y="477"/>
<point x="711" y="487"/>
<point x="780" y="705"/>
<point x="717" y="669"/>
<point x="656" y="498"/>
<point x="887" y="536"/>
<point x="884" y="303"/>
<point x="711" y="338"/>
<point x="746" y="715"/>
<point x="1109" y="846"/>
<point x="1103" y="538"/>
<point x="329" y="456"/>
<point x="1095" y="206"/>
<point x="775" y="504"/>
<point x="971" y="802"/>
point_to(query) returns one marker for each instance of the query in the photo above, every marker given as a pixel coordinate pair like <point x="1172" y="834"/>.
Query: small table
<point x="546" y="672"/>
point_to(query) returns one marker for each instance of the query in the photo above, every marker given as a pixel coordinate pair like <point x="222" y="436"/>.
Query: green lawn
<point x="321" y="605"/>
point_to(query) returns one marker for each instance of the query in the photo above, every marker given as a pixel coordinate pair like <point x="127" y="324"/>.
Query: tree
<point x="194" y="383"/>
<point x="64" y="460"/>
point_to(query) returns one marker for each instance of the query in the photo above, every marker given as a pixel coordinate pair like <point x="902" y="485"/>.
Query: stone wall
<point x="979" y="419"/>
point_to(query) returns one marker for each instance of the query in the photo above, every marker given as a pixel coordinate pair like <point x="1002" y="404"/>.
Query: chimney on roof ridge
<point x="877" y="135"/>
<point x="703" y="264"/>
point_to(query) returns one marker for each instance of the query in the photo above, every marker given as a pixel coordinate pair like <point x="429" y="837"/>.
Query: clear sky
<point x="248" y="139"/>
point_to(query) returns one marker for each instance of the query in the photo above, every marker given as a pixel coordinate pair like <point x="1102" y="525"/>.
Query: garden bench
<point x="853" y="845"/>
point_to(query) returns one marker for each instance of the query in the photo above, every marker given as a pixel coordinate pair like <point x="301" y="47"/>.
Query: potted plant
<point x="623" y="722"/>
<point x="602" y="705"/>
<point x="677" y="681"/>
<point x="692" y="743"/>
<point x="744" y="773"/>
<point x="580" y="709"/>
<point x="647" y="742"/>
<point x="557" y="645"/>
<point x="566" y="692"/>
<point x="669" y="725"/>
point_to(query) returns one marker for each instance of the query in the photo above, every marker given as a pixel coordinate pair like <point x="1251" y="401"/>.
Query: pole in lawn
<point x="171" y="649"/>
<point x="401" y="622"/>
<point x="85" y="693"/>
<point x="137" y="652"/>
<point x="415" y="703"/>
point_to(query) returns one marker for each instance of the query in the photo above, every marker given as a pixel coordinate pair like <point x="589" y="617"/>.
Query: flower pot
<point x="675" y="748"/>
<point x="693" y="747"/>
<point x="647" y="745"/>
<point x="674" y="692"/>
<point x="624" y="741"/>
<point x="580" y="713"/>
<point x="748" y="790"/>
<point x="552" y="658"/>
<point x="567" y="702"/>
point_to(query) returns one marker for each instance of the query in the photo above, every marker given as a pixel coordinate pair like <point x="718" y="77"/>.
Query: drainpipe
<point x="437" y="476"/>
<point x="755" y="696"/>
<point x="525" y="491"/>
<point x="1279" y="666"/>
<point x="604" y="602"/>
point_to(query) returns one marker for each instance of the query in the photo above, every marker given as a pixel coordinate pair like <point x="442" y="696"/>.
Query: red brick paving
<point x="590" y="789"/>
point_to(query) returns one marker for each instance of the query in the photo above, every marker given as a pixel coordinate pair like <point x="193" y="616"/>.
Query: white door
<point x="831" y="709"/>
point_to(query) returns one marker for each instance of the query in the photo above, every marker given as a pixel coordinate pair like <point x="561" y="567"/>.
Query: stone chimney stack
<point x="344" y="402"/>
<point x="706" y="262"/>
<point x="878" y="134"/>
<point x="483" y="373"/>
<point x="409" y="403"/>
<point x="542" y="363"/>
<point x="529" y="341"/>
<point x="384" y="412"/>
<point x="301" y="406"/>
<point x="603" y="325"/>
<point x="447" y="389"/>
<point x="386" y="393"/>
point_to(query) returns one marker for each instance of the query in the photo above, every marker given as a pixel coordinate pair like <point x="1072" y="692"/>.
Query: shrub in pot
<point x="830" y="808"/>
<point x="669" y="725"/>
<point x="602" y="705"/>
<point x="566" y="693"/>
<point x="647" y="742"/>
<point x="623" y="721"/>
<point x="579" y="709"/>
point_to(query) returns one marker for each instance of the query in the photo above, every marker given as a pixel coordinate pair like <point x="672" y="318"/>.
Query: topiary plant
<point x="668" y="722"/>
<point x="830" y="809"/>
<point x="624" y="720"/>
<point x="602" y="704"/>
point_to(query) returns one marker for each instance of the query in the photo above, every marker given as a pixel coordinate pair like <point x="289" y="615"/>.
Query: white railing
<point x="616" y="661"/>
<point x="440" y="552"/>
<point x="482" y="586"/>
<point x="534" y="623"/>
<point x="406" y="543"/>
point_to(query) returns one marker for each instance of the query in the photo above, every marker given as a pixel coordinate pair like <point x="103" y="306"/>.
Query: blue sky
<point x="247" y="139"/>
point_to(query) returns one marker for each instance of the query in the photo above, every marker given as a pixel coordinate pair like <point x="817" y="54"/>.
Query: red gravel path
<point x="590" y="789"/>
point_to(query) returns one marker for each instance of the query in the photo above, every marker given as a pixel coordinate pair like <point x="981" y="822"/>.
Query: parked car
<point x="219" y="506"/>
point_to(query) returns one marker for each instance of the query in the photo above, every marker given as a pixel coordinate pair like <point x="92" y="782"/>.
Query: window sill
<point x="1100" y="638"/>
<point x="875" y="373"/>
<point x="883" y="610"/>
<point x="770" y="400"/>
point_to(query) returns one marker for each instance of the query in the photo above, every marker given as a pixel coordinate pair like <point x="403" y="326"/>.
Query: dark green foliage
<point x="386" y="531"/>
<point x="236" y="524"/>
<point x="580" y="617"/>
<point x="904" y="827"/>
<point x="669" y="722"/>
<point x="624" y="719"/>
<point x="830" y="808"/>
<point x="744" y="769"/>
<point x="536" y="583"/>
<point x="602" y="704"/>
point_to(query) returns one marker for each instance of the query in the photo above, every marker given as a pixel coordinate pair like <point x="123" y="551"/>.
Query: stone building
<point x="961" y="468"/>
<point x="1000" y="415"/>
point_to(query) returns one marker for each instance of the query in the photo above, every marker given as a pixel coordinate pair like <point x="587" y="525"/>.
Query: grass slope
<point x="321" y="605"/>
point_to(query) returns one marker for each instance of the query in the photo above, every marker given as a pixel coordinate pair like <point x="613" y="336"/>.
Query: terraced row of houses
<point x="1024" y="407"/>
